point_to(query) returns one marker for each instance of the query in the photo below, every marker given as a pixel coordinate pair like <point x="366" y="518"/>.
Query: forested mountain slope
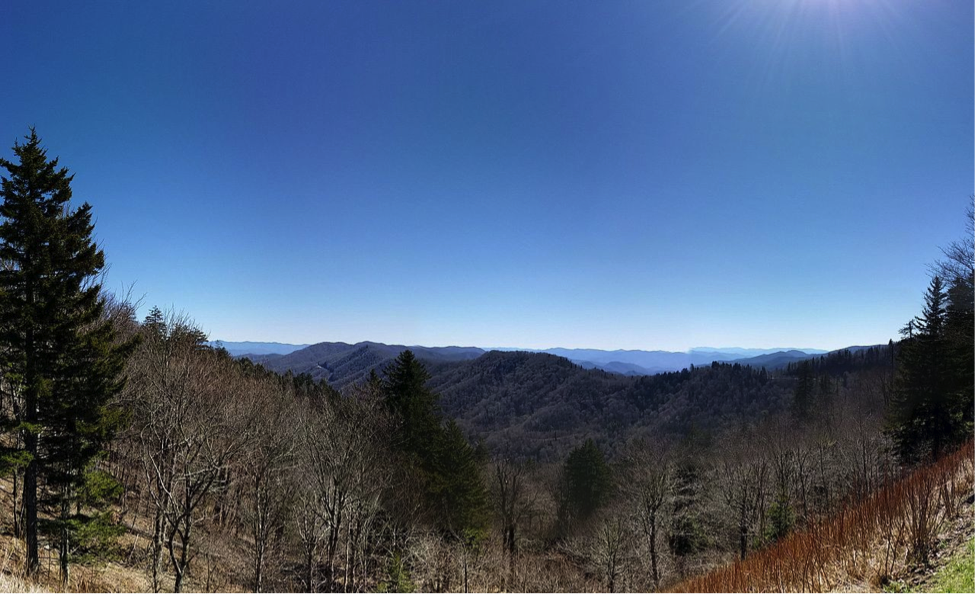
<point x="540" y="406"/>
<point x="341" y="364"/>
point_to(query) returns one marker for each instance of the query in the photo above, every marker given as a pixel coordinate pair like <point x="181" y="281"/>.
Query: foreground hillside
<point x="892" y="539"/>
<point x="265" y="463"/>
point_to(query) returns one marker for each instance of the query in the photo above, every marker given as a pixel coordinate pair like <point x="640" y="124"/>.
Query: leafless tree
<point x="344" y="474"/>
<point x="267" y="472"/>
<point x="611" y="548"/>
<point x="192" y="415"/>
<point x="514" y="502"/>
<point x="647" y="485"/>
<point x="744" y="475"/>
<point x="959" y="261"/>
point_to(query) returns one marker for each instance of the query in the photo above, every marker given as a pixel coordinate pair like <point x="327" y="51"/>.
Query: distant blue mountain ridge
<point x="257" y="348"/>
<point x="625" y="362"/>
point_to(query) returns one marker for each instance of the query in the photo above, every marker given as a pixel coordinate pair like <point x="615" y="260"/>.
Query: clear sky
<point x="654" y="175"/>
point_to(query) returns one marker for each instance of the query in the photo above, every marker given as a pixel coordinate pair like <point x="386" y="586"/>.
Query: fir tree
<point x="416" y="406"/>
<point x="922" y="419"/>
<point x="58" y="353"/>
<point x="588" y="480"/>
<point x="960" y="336"/>
<point x="442" y="457"/>
<point x="685" y="535"/>
<point x="802" y="400"/>
<point x="462" y="496"/>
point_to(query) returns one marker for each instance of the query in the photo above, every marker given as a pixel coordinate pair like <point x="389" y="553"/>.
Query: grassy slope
<point x="956" y="577"/>
<point x="959" y="574"/>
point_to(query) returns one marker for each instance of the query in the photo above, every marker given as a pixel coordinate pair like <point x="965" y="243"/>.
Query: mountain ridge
<point x="342" y="363"/>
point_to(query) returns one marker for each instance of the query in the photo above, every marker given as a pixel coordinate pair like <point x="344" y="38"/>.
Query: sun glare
<point x="791" y="33"/>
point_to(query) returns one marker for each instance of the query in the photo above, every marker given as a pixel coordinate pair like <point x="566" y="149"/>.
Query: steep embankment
<point x="869" y="544"/>
<point x="952" y="567"/>
<point x="959" y="574"/>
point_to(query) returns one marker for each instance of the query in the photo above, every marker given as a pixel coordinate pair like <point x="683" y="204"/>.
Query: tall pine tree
<point x="60" y="362"/>
<point x="414" y="405"/>
<point x="439" y="454"/>
<point x="587" y="482"/>
<point x="961" y="340"/>
<point x="921" y="420"/>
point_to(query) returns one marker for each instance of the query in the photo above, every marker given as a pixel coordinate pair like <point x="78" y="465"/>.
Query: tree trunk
<point x="31" y="393"/>
<point x="63" y="549"/>
<point x="653" y="553"/>
<point x="184" y="556"/>
<point x="310" y="570"/>
<point x="259" y="569"/>
<point x="30" y="505"/>
<point x="18" y="508"/>
<point x="157" y="548"/>
<point x="260" y="532"/>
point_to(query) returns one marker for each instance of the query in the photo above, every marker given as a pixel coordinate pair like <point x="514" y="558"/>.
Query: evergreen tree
<point x="685" y="535"/>
<point x="960" y="333"/>
<point x="462" y="495"/>
<point x="923" y="418"/>
<point x="416" y="406"/>
<point x="442" y="457"/>
<point x="588" y="480"/>
<point x="802" y="400"/>
<point x="780" y="518"/>
<point x="59" y="355"/>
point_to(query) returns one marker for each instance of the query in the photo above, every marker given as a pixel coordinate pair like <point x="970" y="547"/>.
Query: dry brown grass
<point x="9" y="583"/>
<point x="127" y="575"/>
<point x="862" y="545"/>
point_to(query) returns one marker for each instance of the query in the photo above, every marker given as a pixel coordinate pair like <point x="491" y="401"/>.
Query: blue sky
<point x="656" y="175"/>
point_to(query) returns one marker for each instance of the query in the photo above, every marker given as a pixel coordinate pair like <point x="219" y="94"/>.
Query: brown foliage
<point x="900" y="519"/>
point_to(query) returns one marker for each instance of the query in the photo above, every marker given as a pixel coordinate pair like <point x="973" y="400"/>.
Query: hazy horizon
<point x="518" y="348"/>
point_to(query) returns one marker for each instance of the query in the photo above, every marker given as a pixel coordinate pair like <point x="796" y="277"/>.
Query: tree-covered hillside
<point x="342" y="364"/>
<point x="540" y="406"/>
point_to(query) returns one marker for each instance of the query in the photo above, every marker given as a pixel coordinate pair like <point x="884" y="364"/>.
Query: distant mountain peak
<point x="248" y="347"/>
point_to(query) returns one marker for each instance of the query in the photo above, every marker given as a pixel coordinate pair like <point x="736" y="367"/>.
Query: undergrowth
<point x="865" y="541"/>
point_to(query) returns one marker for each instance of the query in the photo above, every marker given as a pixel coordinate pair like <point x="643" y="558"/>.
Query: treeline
<point x="932" y="407"/>
<point x="836" y="363"/>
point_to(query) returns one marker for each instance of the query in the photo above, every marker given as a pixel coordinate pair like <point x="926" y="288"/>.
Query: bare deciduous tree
<point x="647" y="486"/>
<point x="744" y="474"/>
<point x="344" y="473"/>
<point x="267" y="471"/>
<point x="192" y="416"/>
